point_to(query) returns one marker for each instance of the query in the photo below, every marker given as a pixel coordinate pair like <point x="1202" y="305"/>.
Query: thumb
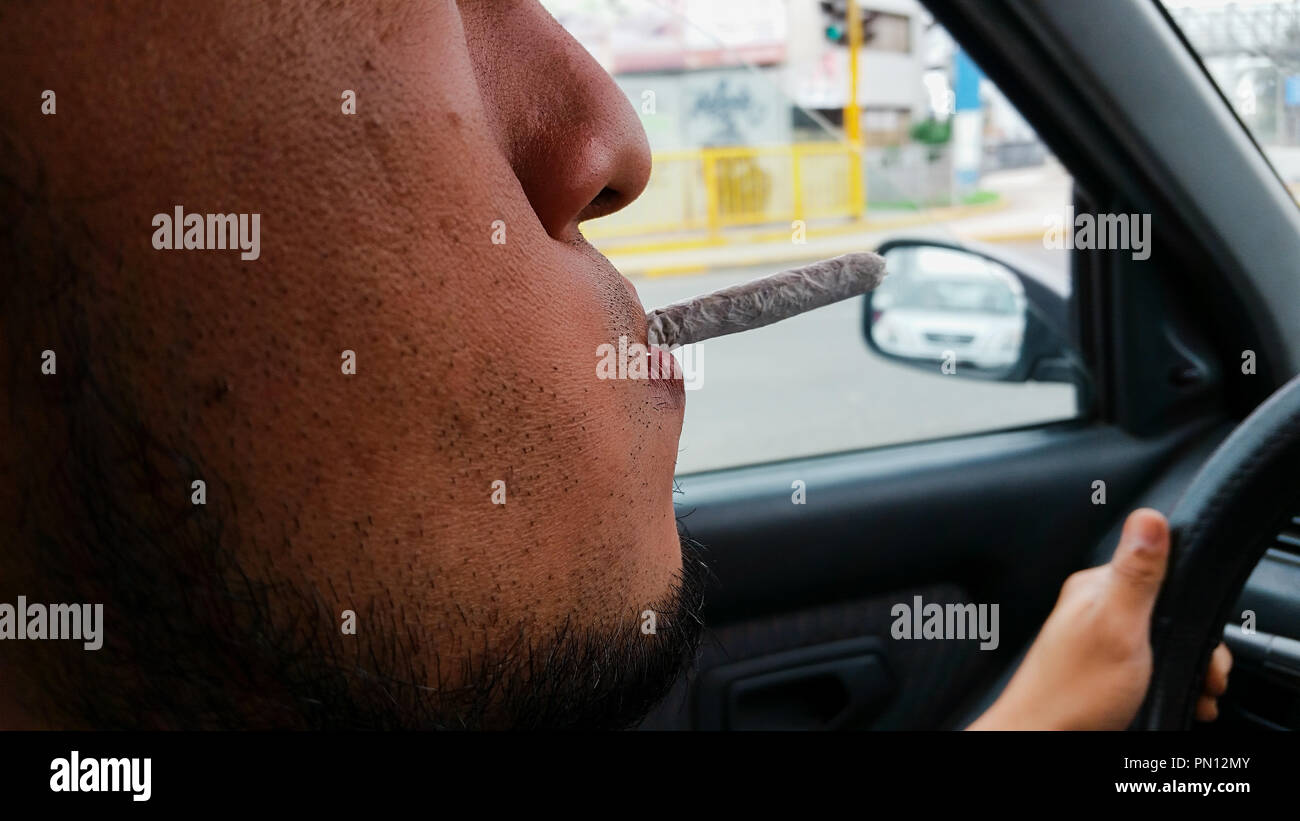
<point x="1138" y="566"/>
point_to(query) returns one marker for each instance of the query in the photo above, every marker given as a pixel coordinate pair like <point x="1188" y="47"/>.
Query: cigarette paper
<point x="764" y="301"/>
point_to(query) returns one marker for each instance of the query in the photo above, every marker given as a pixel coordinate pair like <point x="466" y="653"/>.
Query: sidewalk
<point x="1027" y="197"/>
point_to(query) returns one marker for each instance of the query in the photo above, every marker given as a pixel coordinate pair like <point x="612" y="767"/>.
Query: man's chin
<point x="572" y="677"/>
<point x="604" y="678"/>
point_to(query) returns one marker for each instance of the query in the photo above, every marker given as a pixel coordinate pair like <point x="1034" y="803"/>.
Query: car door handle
<point x="829" y="686"/>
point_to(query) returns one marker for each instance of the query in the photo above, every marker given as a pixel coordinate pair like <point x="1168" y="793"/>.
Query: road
<point x="810" y="385"/>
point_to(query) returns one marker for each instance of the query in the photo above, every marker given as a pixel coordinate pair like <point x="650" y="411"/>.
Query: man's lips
<point x="666" y="377"/>
<point x="663" y="365"/>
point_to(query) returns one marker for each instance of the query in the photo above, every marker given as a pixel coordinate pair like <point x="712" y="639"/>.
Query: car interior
<point x="800" y="608"/>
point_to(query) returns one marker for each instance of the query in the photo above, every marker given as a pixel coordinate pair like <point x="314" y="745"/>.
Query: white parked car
<point x="942" y="304"/>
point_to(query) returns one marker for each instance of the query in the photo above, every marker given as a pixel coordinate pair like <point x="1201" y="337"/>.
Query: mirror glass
<point x="948" y="307"/>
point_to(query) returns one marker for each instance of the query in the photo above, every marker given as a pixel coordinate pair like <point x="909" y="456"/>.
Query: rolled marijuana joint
<point x="764" y="301"/>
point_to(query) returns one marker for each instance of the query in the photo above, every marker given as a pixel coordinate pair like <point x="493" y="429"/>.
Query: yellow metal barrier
<point x="707" y="190"/>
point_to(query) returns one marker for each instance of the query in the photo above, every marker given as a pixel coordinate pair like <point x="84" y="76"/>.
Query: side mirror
<point x="952" y="309"/>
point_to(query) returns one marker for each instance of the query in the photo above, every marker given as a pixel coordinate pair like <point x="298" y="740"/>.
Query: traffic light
<point x="835" y="14"/>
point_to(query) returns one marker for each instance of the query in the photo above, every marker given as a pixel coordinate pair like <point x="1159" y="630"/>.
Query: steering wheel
<point x="1226" y="519"/>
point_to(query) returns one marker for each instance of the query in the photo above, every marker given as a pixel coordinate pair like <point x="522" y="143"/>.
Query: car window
<point x="1251" y="48"/>
<point x="762" y="162"/>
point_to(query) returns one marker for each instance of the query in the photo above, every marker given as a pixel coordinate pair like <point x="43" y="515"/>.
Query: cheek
<point x="475" y="364"/>
<point x="479" y="468"/>
<point x="383" y="484"/>
<point x="475" y="382"/>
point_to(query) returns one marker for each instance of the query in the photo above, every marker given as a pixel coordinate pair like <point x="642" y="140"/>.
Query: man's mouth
<point x="666" y="378"/>
<point x="630" y="357"/>
<point x="661" y="366"/>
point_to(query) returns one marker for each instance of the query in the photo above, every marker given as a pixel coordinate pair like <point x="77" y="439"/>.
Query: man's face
<point x="434" y="234"/>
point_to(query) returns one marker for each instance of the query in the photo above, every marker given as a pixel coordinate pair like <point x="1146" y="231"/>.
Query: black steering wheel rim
<point x="1222" y="525"/>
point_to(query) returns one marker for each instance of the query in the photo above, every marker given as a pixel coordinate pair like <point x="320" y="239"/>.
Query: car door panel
<point x="994" y="519"/>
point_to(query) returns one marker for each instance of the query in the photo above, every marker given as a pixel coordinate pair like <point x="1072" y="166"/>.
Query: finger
<point x="1207" y="709"/>
<point x="1138" y="566"/>
<point x="1216" y="677"/>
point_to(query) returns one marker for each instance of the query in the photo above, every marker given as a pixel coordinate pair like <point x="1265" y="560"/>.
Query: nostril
<point x="606" y="202"/>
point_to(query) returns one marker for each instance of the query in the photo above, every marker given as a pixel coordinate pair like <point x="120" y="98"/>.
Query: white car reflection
<point x="939" y="303"/>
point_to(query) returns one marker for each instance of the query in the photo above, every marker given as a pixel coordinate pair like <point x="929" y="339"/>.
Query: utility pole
<point x="852" y="114"/>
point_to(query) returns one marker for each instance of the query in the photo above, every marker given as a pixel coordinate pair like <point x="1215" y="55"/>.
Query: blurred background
<point x="750" y="115"/>
<point x="785" y="131"/>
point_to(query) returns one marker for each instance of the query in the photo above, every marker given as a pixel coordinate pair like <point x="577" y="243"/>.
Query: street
<point x="810" y="385"/>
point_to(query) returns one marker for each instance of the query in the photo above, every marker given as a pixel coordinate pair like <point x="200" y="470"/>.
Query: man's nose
<point x="595" y="170"/>
<point x="570" y="133"/>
